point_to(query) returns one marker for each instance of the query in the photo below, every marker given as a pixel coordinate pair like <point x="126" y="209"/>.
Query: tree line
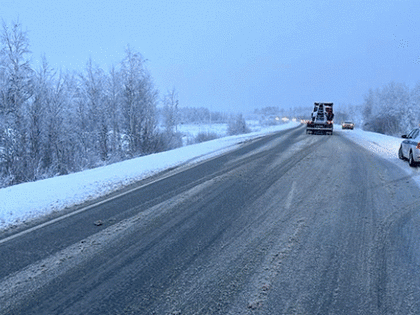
<point x="392" y="109"/>
<point x="58" y="122"/>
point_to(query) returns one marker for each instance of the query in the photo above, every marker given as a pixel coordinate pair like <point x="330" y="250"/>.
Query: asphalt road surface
<point x="287" y="224"/>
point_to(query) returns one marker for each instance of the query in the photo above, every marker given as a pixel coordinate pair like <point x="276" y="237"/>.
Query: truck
<point x="321" y="121"/>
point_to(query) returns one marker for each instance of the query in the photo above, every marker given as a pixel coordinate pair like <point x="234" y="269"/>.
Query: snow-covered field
<point x="26" y="201"/>
<point x="193" y="129"/>
<point x="190" y="131"/>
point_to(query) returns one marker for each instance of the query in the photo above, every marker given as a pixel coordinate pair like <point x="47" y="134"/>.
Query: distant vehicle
<point x="321" y="119"/>
<point x="347" y="125"/>
<point x="410" y="147"/>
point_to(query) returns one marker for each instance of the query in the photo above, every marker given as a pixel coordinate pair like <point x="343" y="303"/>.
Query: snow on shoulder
<point x="28" y="201"/>
<point x="384" y="146"/>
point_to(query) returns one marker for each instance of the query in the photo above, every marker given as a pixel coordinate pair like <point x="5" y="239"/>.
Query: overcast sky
<point x="235" y="55"/>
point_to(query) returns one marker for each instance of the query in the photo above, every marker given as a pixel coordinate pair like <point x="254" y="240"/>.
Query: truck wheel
<point x="411" y="161"/>
<point x="400" y="154"/>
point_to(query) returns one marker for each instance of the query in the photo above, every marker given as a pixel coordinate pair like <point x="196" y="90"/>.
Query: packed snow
<point x="21" y="203"/>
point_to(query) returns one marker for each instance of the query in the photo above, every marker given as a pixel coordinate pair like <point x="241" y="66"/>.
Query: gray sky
<point x="235" y="55"/>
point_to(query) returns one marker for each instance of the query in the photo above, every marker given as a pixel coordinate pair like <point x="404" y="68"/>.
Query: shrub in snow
<point x="237" y="126"/>
<point x="205" y="136"/>
<point x="168" y="141"/>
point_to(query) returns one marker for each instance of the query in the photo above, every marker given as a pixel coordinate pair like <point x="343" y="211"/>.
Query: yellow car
<point x="347" y="125"/>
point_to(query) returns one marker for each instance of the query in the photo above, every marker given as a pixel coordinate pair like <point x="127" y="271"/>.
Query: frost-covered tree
<point x="237" y="125"/>
<point x="113" y="111"/>
<point x="16" y="90"/>
<point x="170" y="111"/>
<point x="139" y="98"/>
<point x="386" y="109"/>
<point x="55" y="147"/>
<point x="149" y="118"/>
<point x="413" y="112"/>
<point x="53" y="123"/>
<point x="172" y="139"/>
<point x="36" y="120"/>
<point x="131" y="74"/>
<point x="370" y="102"/>
<point x="394" y="98"/>
<point x="92" y="91"/>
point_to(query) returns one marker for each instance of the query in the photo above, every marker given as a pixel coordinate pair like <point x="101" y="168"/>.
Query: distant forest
<point x="58" y="122"/>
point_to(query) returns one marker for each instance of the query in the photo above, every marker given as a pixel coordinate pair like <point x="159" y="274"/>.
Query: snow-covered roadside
<point x="27" y="201"/>
<point x="382" y="145"/>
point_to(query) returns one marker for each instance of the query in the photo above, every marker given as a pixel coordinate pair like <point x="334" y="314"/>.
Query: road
<point x="287" y="224"/>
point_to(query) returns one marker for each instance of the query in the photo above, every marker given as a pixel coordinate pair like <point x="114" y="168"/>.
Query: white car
<point x="410" y="147"/>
